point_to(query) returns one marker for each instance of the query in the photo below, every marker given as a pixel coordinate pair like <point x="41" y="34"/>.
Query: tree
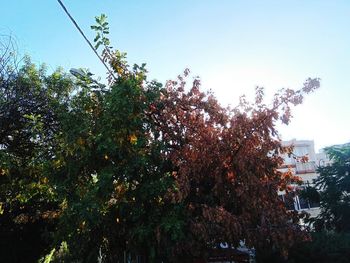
<point x="330" y="237"/>
<point x="225" y="164"/>
<point x="29" y="103"/>
<point x="138" y="168"/>
<point x="109" y="172"/>
<point x="324" y="247"/>
<point x="333" y="185"/>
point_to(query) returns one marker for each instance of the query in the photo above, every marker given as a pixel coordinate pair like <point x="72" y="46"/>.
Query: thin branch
<point x="86" y="39"/>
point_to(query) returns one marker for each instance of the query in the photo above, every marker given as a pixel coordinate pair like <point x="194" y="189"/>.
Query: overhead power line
<point x="84" y="36"/>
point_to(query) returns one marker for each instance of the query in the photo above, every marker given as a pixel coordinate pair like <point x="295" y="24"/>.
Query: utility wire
<point x="86" y="39"/>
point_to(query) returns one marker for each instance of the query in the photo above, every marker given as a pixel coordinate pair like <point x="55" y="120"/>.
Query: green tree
<point x="333" y="186"/>
<point x="109" y="172"/>
<point x="330" y="240"/>
<point x="30" y="100"/>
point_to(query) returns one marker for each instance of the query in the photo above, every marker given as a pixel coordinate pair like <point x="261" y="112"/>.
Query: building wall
<point x="306" y="171"/>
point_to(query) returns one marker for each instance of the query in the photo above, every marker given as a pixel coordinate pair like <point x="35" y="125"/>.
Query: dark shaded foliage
<point x="332" y="189"/>
<point x="324" y="248"/>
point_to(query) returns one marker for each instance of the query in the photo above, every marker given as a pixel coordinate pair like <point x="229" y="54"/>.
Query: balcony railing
<point x="304" y="168"/>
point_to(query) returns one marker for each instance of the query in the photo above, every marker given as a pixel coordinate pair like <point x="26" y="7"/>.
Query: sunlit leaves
<point x="225" y="165"/>
<point x="102" y="30"/>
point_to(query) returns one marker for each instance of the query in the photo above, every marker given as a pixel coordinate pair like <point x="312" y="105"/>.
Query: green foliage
<point x="135" y="168"/>
<point x="83" y="159"/>
<point x="109" y="172"/>
<point x="31" y="101"/>
<point x="102" y="30"/>
<point x="331" y="239"/>
<point x="333" y="185"/>
<point x="115" y="58"/>
<point x="325" y="247"/>
<point x="60" y="255"/>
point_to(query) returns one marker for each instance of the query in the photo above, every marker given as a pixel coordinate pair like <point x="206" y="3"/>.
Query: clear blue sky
<point x="232" y="45"/>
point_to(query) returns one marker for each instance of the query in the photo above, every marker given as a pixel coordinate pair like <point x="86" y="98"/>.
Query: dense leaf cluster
<point x="332" y="189"/>
<point x="330" y="238"/>
<point x="137" y="168"/>
<point x="30" y="102"/>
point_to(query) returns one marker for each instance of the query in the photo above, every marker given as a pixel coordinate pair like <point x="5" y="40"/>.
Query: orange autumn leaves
<point x="226" y="163"/>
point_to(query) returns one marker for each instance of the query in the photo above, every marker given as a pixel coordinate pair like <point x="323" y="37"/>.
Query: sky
<point x="232" y="45"/>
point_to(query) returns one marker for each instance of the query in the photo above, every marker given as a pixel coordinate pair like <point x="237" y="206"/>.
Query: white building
<point x="305" y="170"/>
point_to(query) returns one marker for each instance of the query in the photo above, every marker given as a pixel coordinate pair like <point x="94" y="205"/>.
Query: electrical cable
<point x="86" y="39"/>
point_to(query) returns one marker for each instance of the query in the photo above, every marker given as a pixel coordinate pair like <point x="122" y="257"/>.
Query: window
<point x="295" y="202"/>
